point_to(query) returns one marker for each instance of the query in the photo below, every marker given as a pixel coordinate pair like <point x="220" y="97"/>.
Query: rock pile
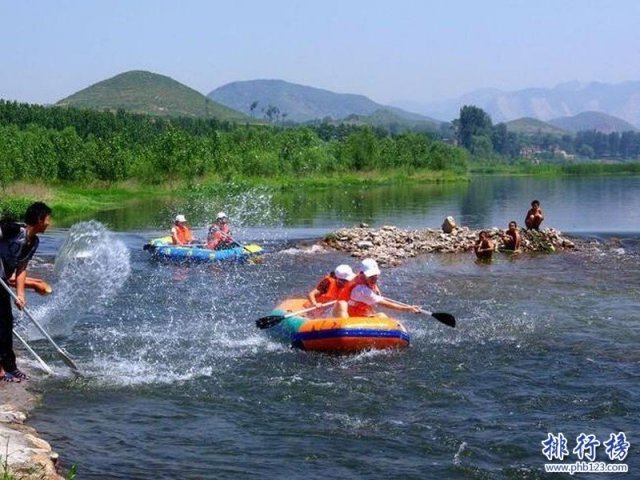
<point x="390" y="245"/>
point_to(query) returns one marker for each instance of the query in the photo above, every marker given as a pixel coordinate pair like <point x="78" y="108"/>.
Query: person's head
<point x="221" y="217"/>
<point x="180" y="220"/>
<point x="513" y="225"/>
<point x="370" y="270"/>
<point x="535" y="204"/>
<point x="344" y="274"/>
<point x="483" y="234"/>
<point x="38" y="215"/>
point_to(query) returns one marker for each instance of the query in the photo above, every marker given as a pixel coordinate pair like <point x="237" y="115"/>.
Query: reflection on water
<point x="580" y="204"/>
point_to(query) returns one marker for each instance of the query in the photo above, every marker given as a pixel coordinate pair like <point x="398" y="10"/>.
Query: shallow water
<point x="179" y="384"/>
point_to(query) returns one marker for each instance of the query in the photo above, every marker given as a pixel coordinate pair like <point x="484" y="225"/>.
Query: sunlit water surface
<point x="178" y="383"/>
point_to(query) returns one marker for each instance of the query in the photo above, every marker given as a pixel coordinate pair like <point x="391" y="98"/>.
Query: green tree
<point x="473" y="121"/>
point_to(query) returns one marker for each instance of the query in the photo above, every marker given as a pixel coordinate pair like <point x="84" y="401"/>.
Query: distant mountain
<point x="145" y="92"/>
<point x="598" y="121"/>
<point x="532" y="126"/>
<point x="568" y="99"/>
<point x="301" y="103"/>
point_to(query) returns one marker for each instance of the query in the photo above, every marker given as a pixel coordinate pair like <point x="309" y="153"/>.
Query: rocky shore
<point x="391" y="246"/>
<point x="24" y="455"/>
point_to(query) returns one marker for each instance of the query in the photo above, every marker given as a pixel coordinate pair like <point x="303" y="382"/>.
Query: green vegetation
<point x="152" y="94"/>
<point x="494" y="144"/>
<point x="533" y="126"/>
<point x="70" y="152"/>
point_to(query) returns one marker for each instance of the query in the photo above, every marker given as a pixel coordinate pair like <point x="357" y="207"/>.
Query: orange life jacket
<point x="331" y="293"/>
<point x="184" y="234"/>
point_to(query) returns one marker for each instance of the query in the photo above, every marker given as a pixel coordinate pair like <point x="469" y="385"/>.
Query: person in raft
<point x="359" y="297"/>
<point x="18" y="244"/>
<point x="181" y="234"/>
<point x="330" y="286"/>
<point x="534" y="216"/>
<point x="512" y="239"/>
<point x="484" y="247"/>
<point x="219" y="236"/>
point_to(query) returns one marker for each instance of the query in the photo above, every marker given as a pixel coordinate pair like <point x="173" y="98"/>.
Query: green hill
<point x="391" y="121"/>
<point x="598" y="121"/>
<point x="301" y="103"/>
<point x="145" y="92"/>
<point x="533" y="126"/>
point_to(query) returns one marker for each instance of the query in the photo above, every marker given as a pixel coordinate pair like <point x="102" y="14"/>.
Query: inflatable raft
<point x="337" y="335"/>
<point x="162" y="248"/>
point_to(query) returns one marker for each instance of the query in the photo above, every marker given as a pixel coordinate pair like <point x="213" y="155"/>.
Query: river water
<point x="179" y="384"/>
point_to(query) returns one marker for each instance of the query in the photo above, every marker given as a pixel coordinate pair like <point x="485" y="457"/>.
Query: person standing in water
<point x="484" y="247"/>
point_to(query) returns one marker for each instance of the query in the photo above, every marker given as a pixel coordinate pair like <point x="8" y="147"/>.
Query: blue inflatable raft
<point x="162" y="248"/>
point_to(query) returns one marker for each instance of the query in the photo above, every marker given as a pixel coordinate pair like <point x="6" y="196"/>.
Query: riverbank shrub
<point x="57" y="144"/>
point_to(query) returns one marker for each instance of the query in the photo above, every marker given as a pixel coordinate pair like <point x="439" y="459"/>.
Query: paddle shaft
<point x="273" y="320"/>
<point x="445" y="318"/>
<point x="422" y="310"/>
<point x="65" y="357"/>
<point x="44" y="365"/>
<point x="310" y="309"/>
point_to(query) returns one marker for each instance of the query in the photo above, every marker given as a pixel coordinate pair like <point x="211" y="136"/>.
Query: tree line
<point x="475" y="132"/>
<point x="77" y="145"/>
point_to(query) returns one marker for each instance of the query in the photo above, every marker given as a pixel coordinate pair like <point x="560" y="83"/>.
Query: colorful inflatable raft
<point x="337" y="335"/>
<point x="163" y="248"/>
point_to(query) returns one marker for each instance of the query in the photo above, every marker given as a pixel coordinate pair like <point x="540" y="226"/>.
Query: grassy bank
<point x="73" y="200"/>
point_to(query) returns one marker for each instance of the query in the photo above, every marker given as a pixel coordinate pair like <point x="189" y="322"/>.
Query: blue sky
<point x="401" y="50"/>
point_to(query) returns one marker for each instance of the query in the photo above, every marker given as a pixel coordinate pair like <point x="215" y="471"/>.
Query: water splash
<point x="91" y="266"/>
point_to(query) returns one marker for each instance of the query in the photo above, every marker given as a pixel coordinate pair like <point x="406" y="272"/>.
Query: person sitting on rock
<point x="484" y="247"/>
<point x="534" y="216"/>
<point x="512" y="239"/>
<point x="358" y="298"/>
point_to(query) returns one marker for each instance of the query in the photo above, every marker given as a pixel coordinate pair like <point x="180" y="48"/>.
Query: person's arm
<point x="174" y="236"/>
<point x="388" y="303"/>
<point x="321" y="288"/>
<point x="21" y="275"/>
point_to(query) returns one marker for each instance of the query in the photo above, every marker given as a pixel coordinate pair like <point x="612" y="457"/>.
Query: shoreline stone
<point x="391" y="246"/>
<point x="27" y="456"/>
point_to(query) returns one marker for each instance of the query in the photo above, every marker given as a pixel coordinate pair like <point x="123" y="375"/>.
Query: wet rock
<point x="390" y="245"/>
<point x="449" y="225"/>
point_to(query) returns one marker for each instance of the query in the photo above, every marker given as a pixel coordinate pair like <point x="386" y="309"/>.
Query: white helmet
<point x="370" y="267"/>
<point x="180" y="218"/>
<point x="221" y="215"/>
<point x="344" y="272"/>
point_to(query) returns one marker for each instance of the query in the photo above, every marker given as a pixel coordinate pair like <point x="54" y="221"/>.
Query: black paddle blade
<point x="446" y="318"/>
<point x="269" y="321"/>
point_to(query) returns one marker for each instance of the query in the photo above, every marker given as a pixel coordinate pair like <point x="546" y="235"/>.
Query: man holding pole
<point x="18" y="244"/>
